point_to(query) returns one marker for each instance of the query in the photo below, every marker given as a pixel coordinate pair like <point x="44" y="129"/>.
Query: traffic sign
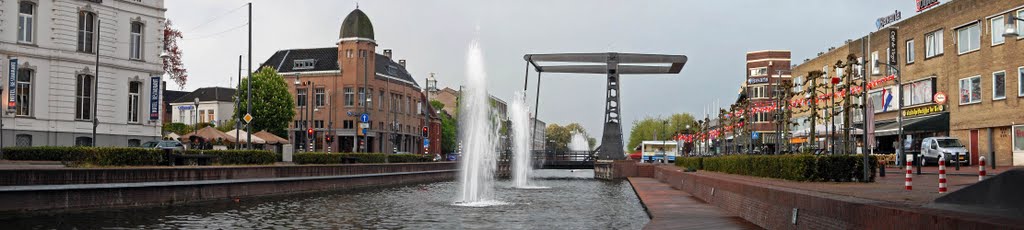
<point x="247" y="118"/>
<point x="426" y="142"/>
<point x="940" y="98"/>
<point x="756" y="135"/>
<point x="364" y="131"/>
<point x="364" y="118"/>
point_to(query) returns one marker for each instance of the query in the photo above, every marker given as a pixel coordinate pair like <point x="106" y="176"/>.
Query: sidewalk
<point x="7" y="164"/>
<point x="965" y="170"/>
<point x="674" y="209"/>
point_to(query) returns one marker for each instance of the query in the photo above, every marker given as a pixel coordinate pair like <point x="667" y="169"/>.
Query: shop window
<point x="999" y="85"/>
<point x="970" y="90"/>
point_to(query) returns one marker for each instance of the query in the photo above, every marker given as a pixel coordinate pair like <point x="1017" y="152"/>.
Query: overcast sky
<point x="435" y="35"/>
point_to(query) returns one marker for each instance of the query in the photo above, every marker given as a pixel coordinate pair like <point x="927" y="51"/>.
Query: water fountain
<point x="522" y="164"/>
<point x="579" y="143"/>
<point x="478" y="135"/>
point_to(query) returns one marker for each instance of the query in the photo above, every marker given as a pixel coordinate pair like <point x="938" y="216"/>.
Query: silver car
<point x="934" y="147"/>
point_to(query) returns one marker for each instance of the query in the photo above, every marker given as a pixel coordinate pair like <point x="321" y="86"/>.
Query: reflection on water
<point x="572" y="201"/>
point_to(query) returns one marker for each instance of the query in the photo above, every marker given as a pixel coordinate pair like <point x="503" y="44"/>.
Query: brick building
<point x="331" y="86"/>
<point x="956" y="49"/>
<point x="766" y="71"/>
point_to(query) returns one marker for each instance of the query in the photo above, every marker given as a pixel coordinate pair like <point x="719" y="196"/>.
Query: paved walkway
<point x="674" y="209"/>
<point x="965" y="170"/>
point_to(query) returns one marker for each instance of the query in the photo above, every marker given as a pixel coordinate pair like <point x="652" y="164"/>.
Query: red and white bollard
<point x="981" y="168"/>
<point x="942" y="174"/>
<point x="910" y="180"/>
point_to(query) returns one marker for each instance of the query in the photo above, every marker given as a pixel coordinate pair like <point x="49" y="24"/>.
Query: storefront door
<point x="974" y="145"/>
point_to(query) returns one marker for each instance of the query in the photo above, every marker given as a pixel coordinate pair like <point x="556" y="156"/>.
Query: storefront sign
<point x="154" y="98"/>
<point x="757" y="80"/>
<point x="883" y="21"/>
<point x="923" y="110"/>
<point x="925" y="4"/>
<point x="185" y="107"/>
<point x="12" y="77"/>
<point x="893" y="61"/>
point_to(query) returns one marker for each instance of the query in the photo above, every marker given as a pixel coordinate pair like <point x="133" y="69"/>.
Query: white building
<point x="216" y="105"/>
<point x="49" y="47"/>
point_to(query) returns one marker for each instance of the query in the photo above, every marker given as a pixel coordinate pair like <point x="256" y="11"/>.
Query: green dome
<point x="357" y="24"/>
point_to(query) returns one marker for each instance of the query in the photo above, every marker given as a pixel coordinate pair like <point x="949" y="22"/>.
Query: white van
<point x="933" y="147"/>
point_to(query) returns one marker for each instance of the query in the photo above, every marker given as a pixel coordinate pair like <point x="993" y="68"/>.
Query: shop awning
<point x="930" y="123"/>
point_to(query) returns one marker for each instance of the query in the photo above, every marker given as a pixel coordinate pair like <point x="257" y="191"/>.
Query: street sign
<point x="426" y="142"/>
<point x="247" y="118"/>
<point x="364" y="131"/>
<point x="756" y="135"/>
<point x="940" y="98"/>
<point x="364" y="118"/>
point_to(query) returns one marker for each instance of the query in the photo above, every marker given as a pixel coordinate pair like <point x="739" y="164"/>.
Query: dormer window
<point x="304" y="64"/>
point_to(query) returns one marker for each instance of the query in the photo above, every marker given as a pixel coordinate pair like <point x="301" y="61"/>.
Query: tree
<point x="272" y="105"/>
<point x="173" y="65"/>
<point x="449" y="127"/>
<point x="558" y="137"/>
<point x="660" y="129"/>
<point x="227" y="125"/>
<point x="177" y="128"/>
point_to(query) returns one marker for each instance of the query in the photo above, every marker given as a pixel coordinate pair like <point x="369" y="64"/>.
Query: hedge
<point x="800" y="167"/>
<point x="126" y="156"/>
<point x="340" y="158"/>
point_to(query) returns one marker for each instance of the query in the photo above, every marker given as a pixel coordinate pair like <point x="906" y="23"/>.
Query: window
<point x="26" y="21"/>
<point x="968" y="38"/>
<point x="370" y="95"/>
<point x="349" y="97"/>
<point x="970" y="90"/>
<point x="86" y="30"/>
<point x="362" y="96"/>
<point x="933" y="44"/>
<point x="347" y="124"/>
<point x="348" y="53"/>
<point x="380" y="101"/>
<point x="874" y="63"/>
<point x="304" y="64"/>
<point x="910" y="51"/>
<point x="83" y="97"/>
<point x="134" y="143"/>
<point x="918" y="92"/>
<point x="859" y="68"/>
<point x="997" y="26"/>
<point x="202" y="116"/>
<point x="999" y="85"/>
<point x="134" y="90"/>
<point x="762" y="71"/>
<point x="83" y="141"/>
<point x="318" y="97"/>
<point x="318" y="124"/>
<point x="883" y="100"/>
<point x="210" y="116"/>
<point x="1020" y="25"/>
<point x="1020" y="82"/>
<point x="23" y="140"/>
<point x="23" y="93"/>
<point x="798" y="84"/>
<point x="136" y="42"/>
<point x="300" y="97"/>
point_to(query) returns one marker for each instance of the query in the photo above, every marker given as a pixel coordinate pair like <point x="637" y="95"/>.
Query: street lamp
<point x="1011" y="26"/>
<point x="899" y="114"/>
<point x="195" y="112"/>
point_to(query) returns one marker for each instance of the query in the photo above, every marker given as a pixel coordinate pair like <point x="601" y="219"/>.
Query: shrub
<point x="240" y="157"/>
<point x="799" y="167"/>
<point x="102" y="156"/>
<point x="402" y="158"/>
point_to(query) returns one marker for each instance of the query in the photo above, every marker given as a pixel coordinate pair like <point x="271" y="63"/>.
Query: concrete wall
<point x="153" y="186"/>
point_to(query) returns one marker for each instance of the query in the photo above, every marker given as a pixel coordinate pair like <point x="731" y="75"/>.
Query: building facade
<point x="216" y="106"/>
<point x="334" y="86"/>
<point x="955" y="50"/>
<point x="766" y="72"/>
<point x="51" y="82"/>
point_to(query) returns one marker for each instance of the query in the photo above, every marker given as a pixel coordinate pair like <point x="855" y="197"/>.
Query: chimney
<point x="387" y="53"/>
<point x="401" y="62"/>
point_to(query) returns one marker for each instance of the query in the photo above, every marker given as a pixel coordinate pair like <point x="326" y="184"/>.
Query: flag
<point x="888" y="100"/>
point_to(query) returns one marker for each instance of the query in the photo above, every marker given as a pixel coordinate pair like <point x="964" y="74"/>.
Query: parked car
<point x="164" y="144"/>
<point x="934" y="147"/>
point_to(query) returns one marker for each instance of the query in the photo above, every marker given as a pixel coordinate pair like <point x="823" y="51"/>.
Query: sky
<point x="434" y="37"/>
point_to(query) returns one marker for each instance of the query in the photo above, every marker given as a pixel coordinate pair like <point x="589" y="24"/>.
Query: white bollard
<point x="908" y="182"/>
<point x="942" y="174"/>
<point x="981" y="168"/>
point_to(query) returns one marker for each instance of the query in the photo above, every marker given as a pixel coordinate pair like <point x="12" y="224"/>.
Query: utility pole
<point x="248" y="108"/>
<point x="238" y="104"/>
<point x="95" y="82"/>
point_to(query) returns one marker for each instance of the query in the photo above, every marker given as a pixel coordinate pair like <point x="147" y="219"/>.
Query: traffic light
<point x="309" y="132"/>
<point x="425" y="134"/>
<point x="328" y="139"/>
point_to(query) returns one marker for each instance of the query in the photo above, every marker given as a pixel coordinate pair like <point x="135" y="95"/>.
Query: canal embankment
<point x="26" y="190"/>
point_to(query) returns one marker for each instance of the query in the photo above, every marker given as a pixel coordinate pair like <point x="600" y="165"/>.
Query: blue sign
<point x="185" y="107"/>
<point x="757" y="135"/>
<point x="154" y="98"/>
<point x="364" y="118"/>
<point x="11" y="84"/>
<point x="426" y="142"/>
<point x="364" y="131"/>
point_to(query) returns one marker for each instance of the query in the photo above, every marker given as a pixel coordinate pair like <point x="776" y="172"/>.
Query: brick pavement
<point x="670" y="208"/>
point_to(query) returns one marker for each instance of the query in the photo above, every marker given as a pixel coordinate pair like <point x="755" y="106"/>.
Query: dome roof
<point x="356" y="24"/>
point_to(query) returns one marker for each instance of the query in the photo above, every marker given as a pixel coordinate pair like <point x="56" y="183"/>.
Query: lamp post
<point x="1011" y="26"/>
<point x="195" y="118"/>
<point x="899" y="114"/>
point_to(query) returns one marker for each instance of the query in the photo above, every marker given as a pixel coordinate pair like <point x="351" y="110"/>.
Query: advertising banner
<point x="12" y="78"/>
<point x="154" y="98"/>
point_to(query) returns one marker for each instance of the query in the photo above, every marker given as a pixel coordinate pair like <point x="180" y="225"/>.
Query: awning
<point x="930" y="123"/>
<point x="797" y="140"/>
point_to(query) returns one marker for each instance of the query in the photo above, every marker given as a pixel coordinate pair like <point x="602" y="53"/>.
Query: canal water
<point x="571" y="200"/>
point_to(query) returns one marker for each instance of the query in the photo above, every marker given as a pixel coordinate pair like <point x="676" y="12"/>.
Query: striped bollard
<point x="942" y="174"/>
<point x="981" y="168"/>
<point x="910" y="180"/>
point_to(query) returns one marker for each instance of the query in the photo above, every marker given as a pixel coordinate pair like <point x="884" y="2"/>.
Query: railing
<point x="556" y="159"/>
